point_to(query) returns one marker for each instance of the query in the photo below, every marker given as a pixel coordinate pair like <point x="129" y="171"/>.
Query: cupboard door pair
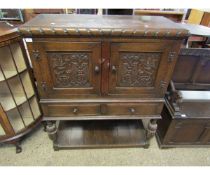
<point x="73" y="69"/>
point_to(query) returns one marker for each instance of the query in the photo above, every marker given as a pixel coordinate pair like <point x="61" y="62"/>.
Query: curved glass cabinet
<point x="19" y="108"/>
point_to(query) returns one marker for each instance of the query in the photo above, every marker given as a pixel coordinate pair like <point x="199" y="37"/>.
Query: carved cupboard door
<point x="67" y="69"/>
<point x="141" y="69"/>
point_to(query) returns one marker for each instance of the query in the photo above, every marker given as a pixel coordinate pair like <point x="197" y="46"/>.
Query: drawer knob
<point x="103" y="108"/>
<point x="75" y="110"/>
<point x="114" y="69"/>
<point x="132" y="110"/>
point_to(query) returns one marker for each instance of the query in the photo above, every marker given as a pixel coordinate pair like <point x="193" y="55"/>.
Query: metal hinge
<point x="44" y="85"/>
<point x="163" y="85"/>
<point x="36" y="54"/>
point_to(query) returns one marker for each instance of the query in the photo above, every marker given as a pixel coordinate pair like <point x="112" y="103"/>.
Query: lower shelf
<point x="100" y="134"/>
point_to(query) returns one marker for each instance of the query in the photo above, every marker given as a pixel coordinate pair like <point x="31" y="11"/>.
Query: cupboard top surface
<point x="116" y="25"/>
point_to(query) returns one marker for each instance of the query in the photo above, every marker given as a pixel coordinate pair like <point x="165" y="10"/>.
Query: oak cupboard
<point x="102" y="79"/>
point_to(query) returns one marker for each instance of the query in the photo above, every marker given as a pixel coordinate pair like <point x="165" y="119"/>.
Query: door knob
<point x="97" y="69"/>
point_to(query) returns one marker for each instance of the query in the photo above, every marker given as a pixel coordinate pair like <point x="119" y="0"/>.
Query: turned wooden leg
<point x="151" y="128"/>
<point x="51" y="129"/>
<point x="17" y="144"/>
<point x="44" y="123"/>
<point x="55" y="148"/>
<point x="146" y="146"/>
<point x="18" y="147"/>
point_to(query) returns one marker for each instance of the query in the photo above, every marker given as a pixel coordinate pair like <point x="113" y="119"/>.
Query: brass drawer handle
<point x="75" y="110"/>
<point x="97" y="69"/>
<point x="103" y="109"/>
<point x="132" y="110"/>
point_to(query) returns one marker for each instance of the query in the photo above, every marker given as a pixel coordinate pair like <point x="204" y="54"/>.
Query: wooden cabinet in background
<point x="31" y="13"/>
<point x="199" y="17"/>
<point x="187" y="127"/>
<point x="176" y="16"/>
<point x="197" y="74"/>
<point x="186" y="114"/>
<point x="206" y="19"/>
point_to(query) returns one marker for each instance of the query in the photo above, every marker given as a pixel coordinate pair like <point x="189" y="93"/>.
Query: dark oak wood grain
<point x="100" y="68"/>
<point x="97" y="134"/>
<point x="192" y="70"/>
<point x="189" y="127"/>
<point x="97" y="25"/>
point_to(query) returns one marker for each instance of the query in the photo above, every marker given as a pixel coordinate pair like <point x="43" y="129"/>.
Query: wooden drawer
<point x="65" y="110"/>
<point x="133" y="108"/>
<point x="100" y="109"/>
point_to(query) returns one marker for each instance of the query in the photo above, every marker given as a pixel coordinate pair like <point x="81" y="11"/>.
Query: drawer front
<point x="134" y="109"/>
<point x="67" y="110"/>
<point x="101" y="109"/>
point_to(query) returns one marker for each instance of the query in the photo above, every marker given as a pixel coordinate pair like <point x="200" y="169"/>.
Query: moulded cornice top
<point x="100" y="25"/>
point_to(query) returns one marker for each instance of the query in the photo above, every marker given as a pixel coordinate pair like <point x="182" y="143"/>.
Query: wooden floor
<point x="92" y="134"/>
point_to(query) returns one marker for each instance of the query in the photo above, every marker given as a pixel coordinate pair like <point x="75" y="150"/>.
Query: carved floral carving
<point x="138" y="69"/>
<point x="70" y="69"/>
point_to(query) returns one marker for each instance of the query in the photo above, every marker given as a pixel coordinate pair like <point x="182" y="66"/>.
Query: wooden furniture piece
<point x="94" y="68"/>
<point x="117" y="11"/>
<point x="186" y="114"/>
<point x="14" y="16"/>
<point x="206" y="19"/>
<point x="197" y="74"/>
<point x="189" y="126"/>
<point x="175" y="16"/>
<point x="31" y="13"/>
<point x="199" y="35"/>
<point x="97" y="134"/>
<point x="19" y="109"/>
<point x="195" y="16"/>
<point x="199" y="17"/>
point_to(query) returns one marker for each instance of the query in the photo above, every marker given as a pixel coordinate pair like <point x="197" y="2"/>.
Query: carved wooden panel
<point x="192" y="70"/>
<point x="138" y="69"/>
<point x="69" y="69"/>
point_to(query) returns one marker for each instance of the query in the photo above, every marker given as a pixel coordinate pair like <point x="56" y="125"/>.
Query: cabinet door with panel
<point x="67" y="69"/>
<point x="141" y="69"/>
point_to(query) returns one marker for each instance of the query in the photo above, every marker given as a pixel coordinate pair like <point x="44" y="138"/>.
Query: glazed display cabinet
<point x="19" y="108"/>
